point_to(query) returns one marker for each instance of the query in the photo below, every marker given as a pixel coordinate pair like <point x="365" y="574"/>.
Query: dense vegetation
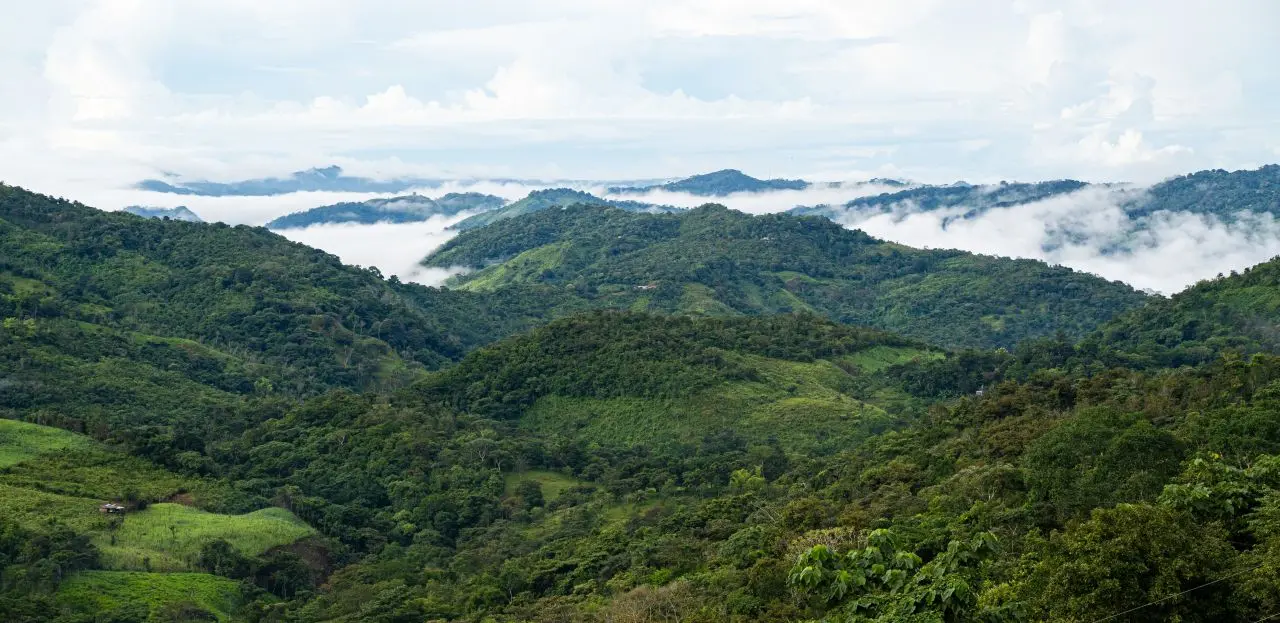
<point x="716" y="184"/>
<point x="621" y="466"/>
<point x="1216" y="193"/>
<point x="716" y="261"/>
<point x="405" y="209"/>
<point x="216" y="302"/>
<point x="539" y="200"/>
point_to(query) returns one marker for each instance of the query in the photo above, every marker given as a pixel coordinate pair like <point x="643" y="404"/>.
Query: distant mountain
<point x="717" y="184"/>
<point x="715" y="261"/>
<point x="551" y="198"/>
<point x="977" y="198"/>
<point x="1220" y="193"/>
<point x="327" y="178"/>
<point x="403" y="209"/>
<point x="180" y="213"/>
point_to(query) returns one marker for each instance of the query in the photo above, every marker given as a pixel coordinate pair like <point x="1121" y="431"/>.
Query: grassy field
<point x="20" y="441"/>
<point x="805" y="405"/>
<point x="105" y="593"/>
<point x="35" y="508"/>
<point x="168" y="537"/>
<point x="553" y="483"/>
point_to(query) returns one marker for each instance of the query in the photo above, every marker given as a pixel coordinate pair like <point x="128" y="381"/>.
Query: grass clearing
<point x="553" y="483"/>
<point x="168" y="537"/>
<point x="21" y="441"/>
<point x="878" y="358"/>
<point x="99" y="593"/>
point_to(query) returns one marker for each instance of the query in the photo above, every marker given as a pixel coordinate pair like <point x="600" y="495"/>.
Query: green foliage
<point x="20" y="441"/>
<point x="114" y="593"/>
<point x="170" y="537"/>
<point x="885" y="583"/>
<point x="1232" y="314"/>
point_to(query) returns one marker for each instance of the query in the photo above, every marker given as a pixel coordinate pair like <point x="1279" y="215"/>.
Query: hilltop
<point x="712" y="260"/>
<point x="403" y="209"/>
<point x="539" y="200"/>
<point x="716" y="184"/>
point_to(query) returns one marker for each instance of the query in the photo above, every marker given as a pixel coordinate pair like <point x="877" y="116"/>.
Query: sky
<point x="102" y="92"/>
<point x="98" y="94"/>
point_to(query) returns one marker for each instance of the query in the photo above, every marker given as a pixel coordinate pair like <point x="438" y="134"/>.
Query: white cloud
<point x="395" y="249"/>
<point x="937" y="91"/>
<point x="1166" y="253"/>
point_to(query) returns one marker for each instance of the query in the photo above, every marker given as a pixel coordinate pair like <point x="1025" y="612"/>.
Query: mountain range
<point x="628" y="415"/>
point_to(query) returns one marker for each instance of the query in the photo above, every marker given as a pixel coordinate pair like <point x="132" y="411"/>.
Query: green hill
<point x="539" y="200"/>
<point x="231" y="301"/>
<point x="1239" y="312"/>
<point x="404" y="209"/>
<point x="629" y="379"/>
<point x="716" y="261"/>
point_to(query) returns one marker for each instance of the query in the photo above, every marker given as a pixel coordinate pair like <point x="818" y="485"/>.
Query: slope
<point x="72" y="276"/>
<point x="1219" y="193"/>
<point x="1238" y="312"/>
<point x="404" y="209"/>
<point x="717" y="261"/>
<point x="539" y="200"/>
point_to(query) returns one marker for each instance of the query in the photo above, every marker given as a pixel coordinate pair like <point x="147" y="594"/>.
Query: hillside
<point x="716" y="184"/>
<point x="180" y="213"/>
<point x="405" y="209"/>
<point x="1238" y="312"/>
<point x="228" y="296"/>
<point x="715" y="261"/>
<point x="632" y="379"/>
<point x="539" y="200"/>
<point x="149" y="557"/>
<point x="1216" y="192"/>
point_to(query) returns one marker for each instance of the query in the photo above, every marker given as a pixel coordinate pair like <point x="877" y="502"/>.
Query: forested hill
<point x="1237" y="312"/>
<point x="539" y="200"/>
<point x="240" y="290"/>
<point x="403" y="209"/>
<point x="716" y="261"/>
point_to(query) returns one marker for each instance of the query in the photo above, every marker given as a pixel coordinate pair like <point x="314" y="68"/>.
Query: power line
<point x="1152" y="603"/>
<point x="1267" y="618"/>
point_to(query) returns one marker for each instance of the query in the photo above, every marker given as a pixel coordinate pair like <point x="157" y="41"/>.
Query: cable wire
<point x="1152" y="603"/>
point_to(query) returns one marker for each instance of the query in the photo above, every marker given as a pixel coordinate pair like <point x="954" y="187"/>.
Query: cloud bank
<point x="1088" y="230"/>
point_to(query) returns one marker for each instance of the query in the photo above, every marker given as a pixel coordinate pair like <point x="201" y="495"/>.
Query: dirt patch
<point x="184" y="499"/>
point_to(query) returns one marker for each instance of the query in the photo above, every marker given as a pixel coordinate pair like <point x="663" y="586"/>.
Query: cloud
<point x="764" y="202"/>
<point x="395" y="249"/>
<point x="618" y="89"/>
<point x="1090" y="231"/>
